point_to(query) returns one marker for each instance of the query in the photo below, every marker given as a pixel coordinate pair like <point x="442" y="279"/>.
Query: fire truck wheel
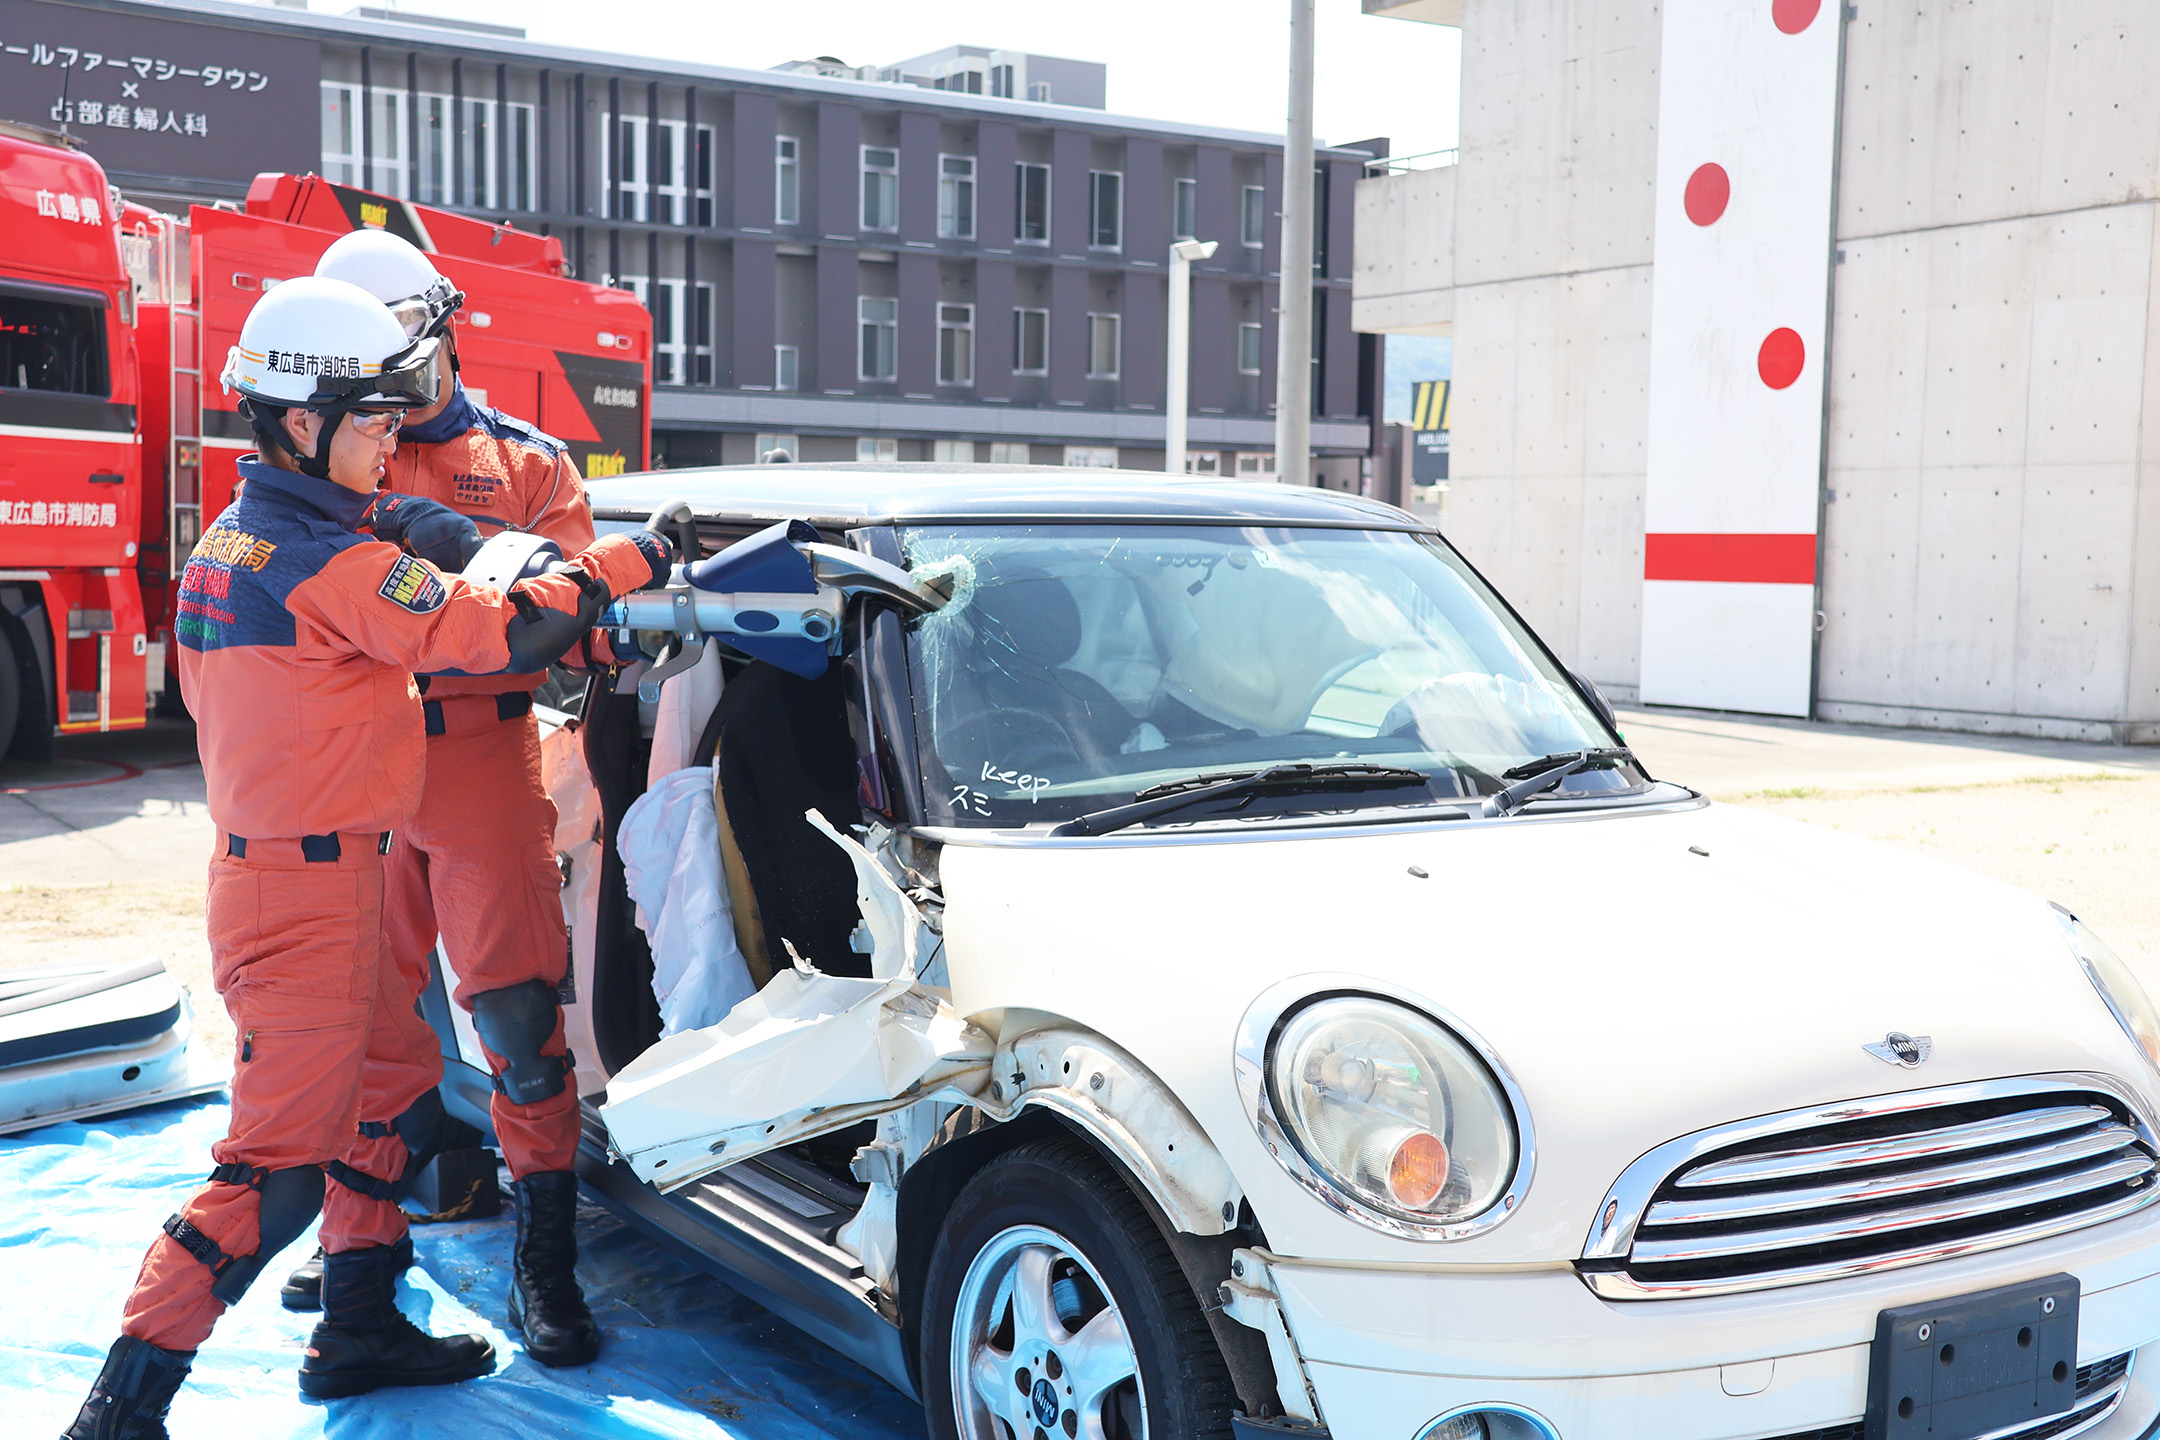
<point x="10" y="695"/>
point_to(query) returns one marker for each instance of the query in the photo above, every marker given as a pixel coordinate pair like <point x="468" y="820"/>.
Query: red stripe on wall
<point x="1757" y="559"/>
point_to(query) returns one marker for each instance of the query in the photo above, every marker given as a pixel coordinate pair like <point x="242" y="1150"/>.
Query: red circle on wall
<point x="1794" y="16"/>
<point x="1779" y="361"/>
<point x="1707" y="191"/>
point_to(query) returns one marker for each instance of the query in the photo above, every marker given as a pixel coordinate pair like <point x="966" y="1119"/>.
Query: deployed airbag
<point x="670" y="848"/>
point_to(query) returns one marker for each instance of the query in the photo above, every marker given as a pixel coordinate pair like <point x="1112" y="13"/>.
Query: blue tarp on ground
<point x="685" y="1356"/>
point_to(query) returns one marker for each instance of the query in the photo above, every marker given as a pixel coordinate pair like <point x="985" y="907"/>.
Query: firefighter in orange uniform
<point x="297" y="638"/>
<point x="476" y="864"/>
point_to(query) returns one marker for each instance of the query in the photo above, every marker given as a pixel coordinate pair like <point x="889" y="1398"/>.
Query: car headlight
<point x="2133" y="1008"/>
<point x="1394" y="1113"/>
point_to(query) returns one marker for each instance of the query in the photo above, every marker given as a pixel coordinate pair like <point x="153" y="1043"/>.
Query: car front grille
<point x="1871" y="1186"/>
<point x="2099" y="1391"/>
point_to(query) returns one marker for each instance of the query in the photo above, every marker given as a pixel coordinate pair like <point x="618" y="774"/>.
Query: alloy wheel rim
<point x="1039" y="1348"/>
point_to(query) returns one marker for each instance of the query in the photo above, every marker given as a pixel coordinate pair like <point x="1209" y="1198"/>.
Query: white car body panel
<point x="1636" y="991"/>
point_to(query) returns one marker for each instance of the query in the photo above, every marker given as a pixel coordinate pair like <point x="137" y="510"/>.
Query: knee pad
<point x="515" y="1022"/>
<point x="290" y="1201"/>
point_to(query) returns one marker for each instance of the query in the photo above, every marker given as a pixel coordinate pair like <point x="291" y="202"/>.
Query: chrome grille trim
<point x="1818" y="1159"/>
<point x="1690" y="1210"/>
<point x="2095" y="1162"/>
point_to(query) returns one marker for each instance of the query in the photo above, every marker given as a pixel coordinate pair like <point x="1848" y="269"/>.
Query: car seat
<point x="783" y="749"/>
<point x="1012" y="703"/>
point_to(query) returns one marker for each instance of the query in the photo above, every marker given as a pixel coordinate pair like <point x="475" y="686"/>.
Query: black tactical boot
<point x="302" y="1289"/>
<point x="129" y="1397"/>
<point x="545" y="1301"/>
<point x="365" y="1341"/>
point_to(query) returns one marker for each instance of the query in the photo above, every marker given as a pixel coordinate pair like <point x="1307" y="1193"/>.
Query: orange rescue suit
<point x="476" y="863"/>
<point x="298" y="638"/>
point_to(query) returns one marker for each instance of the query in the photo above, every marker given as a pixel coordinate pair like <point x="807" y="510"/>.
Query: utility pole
<point x="1182" y="254"/>
<point x="1293" y="328"/>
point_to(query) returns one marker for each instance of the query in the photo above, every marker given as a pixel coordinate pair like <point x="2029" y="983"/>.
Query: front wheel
<point x="1053" y="1308"/>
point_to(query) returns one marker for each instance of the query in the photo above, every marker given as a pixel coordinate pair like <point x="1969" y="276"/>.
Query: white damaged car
<point x="1211" y="971"/>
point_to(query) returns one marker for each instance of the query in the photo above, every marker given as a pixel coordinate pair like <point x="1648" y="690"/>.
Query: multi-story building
<point x="960" y="256"/>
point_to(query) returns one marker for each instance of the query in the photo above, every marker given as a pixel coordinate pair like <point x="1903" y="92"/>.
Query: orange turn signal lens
<point x="1417" y="1170"/>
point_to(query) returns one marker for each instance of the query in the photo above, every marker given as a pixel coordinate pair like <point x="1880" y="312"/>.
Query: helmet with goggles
<point x="330" y="347"/>
<point x="395" y="272"/>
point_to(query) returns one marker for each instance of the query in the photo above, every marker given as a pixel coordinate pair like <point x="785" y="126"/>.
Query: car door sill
<point x="737" y="1232"/>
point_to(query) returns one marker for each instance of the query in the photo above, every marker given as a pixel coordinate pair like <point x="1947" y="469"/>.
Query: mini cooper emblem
<point x="1901" y="1049"/>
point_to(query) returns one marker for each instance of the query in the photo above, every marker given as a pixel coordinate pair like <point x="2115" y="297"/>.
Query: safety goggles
<point x="427" y="314"/>
<point x="375" y="424"/>
<point x="413" y="377"/>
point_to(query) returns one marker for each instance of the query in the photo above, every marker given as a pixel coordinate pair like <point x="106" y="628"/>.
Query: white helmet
<point x="328" y="345"/>
<point x="394" y="271"/>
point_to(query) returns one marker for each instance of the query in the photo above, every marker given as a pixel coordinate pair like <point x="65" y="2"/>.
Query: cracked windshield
<point x="1079" y="665"/>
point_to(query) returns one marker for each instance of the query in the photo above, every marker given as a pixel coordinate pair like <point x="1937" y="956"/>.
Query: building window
<point x="880" y="323"/>
<point x="342" y="139"/>
<point x="1253" y="225"/>
<point x="625" y="178"/>
<point x="701" y="175"/>
<point x="434" y="148"/>
<point x="1094" y="457"/>
<point x="1185" y="208"/>
<point x="1031" y="200"/>
<point x="786" y="367"/>
<point x="1248" y="349"/>
<point x="1203" y="462"/>
<point x="956" y="344"/>
<point x="788" y="445"/>
<point x="666" y="160"/>
<point x="787" y="180"/>
<point x="877" y="448"/>
<point x="1106" y="210"/>
<point x="1031" y="342"/>
<point x="1256" y="462"/>
<point x="682" y="335"/>
<point x="485" y="188"/>
<point x="1009" y="452"/>
<point x="880" y="188"/>
<point x="1001" y="81"/>
<point x="954" y="452"/>
<point x="956" y="197"/>
<point x="1102" y="347"/>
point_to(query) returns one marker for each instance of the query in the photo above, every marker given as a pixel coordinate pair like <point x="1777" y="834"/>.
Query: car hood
<point x="1641" y="975"/>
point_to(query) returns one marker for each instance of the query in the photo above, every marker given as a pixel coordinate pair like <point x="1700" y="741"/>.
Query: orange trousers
<point x="327" y="1041"/>
<point x="476" y="866"/>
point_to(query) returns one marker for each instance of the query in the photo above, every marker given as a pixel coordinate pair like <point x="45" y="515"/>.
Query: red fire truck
<point x="116" y="444"/>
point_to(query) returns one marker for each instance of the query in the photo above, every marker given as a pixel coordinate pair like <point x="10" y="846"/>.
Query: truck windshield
<point x="1080" y="664"/>
<point x="48" y="344"/>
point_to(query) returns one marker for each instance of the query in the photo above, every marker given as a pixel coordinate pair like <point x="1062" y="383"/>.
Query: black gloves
<point x="658" y="552"/>
<point x="428" y="528"/>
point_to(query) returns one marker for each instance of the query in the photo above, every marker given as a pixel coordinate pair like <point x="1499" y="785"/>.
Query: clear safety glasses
<point x="376" y="424"/>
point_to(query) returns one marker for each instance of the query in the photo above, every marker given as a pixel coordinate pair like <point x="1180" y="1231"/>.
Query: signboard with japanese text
<point x="154" y="96"/>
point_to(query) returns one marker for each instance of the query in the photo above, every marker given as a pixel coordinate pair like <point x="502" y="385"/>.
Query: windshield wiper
<point x="1547" y="771"/>
<point x="1289" y="779"/>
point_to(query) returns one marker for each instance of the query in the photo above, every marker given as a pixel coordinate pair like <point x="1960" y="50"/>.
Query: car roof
<point x="843" y="495"/>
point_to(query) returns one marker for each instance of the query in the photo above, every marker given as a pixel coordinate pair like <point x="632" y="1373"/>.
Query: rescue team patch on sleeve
<point x="414" y="586"/>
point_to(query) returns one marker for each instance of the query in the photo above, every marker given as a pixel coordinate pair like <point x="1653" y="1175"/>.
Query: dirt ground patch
<point x="2090" y="841"/>
<point x="70" y="924"/>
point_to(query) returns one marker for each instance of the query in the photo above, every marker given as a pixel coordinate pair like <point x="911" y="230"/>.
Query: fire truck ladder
<point x="183" y="459"/>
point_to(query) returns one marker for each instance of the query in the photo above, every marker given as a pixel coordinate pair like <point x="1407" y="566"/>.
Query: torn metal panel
<point x="810" y="1052"/>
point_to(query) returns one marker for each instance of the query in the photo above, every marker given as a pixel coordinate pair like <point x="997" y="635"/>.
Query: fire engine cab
<point x="116" y="445"/>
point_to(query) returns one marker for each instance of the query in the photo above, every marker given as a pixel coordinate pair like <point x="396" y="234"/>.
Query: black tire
<point x="10" y="694"/>
<point x="1105" y="1240"/>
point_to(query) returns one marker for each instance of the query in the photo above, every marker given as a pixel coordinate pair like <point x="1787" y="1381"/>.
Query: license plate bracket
<point x="1970" y="1365"/>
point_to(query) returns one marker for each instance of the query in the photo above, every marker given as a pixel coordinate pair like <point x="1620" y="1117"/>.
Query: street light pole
<point x="1182" y="254"/>
<point x="1293" y="354"/>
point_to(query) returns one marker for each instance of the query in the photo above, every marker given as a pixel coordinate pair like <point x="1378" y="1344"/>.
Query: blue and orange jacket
<point x="298" y="642"/>
<point x="506" y="475"/>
